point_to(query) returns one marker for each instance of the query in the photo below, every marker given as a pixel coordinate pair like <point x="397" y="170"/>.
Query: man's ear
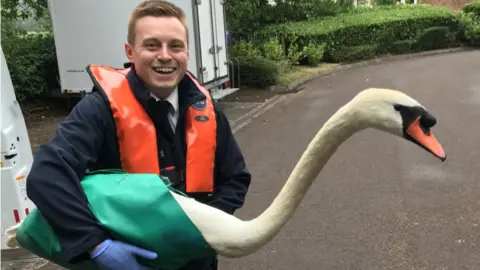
<point x="129" y="51"/>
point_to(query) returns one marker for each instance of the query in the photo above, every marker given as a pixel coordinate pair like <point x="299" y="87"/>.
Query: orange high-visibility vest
<point x="137" y="135"/>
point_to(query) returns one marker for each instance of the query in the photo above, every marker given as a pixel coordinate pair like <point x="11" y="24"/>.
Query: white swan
<point x="383" y="109"/>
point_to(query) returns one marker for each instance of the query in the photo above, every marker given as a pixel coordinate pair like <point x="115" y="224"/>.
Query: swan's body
<point x="387" y="110"/>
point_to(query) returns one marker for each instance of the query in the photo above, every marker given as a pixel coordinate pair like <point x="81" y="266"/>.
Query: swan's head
<point x="399" y="114"/>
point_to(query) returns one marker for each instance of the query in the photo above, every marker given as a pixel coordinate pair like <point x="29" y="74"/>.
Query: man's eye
<point x="150" y="45"/>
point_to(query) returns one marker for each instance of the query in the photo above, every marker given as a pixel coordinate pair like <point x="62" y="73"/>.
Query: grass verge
<point x="298" y="72"/>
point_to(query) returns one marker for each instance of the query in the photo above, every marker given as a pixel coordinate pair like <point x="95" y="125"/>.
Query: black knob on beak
<point x="427" y="120"/>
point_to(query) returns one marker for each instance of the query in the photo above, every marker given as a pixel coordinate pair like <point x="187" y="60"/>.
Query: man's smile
<point x="164" y="70"/>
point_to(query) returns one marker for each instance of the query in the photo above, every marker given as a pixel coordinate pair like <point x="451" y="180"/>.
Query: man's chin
<point x="164" y="89"/>
<point x="165" y="82"/>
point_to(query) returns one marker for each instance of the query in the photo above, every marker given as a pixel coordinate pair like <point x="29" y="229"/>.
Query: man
<point x="134" y="102"/>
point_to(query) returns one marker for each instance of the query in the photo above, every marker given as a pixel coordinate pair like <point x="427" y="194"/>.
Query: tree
<point x="13" y="10"/>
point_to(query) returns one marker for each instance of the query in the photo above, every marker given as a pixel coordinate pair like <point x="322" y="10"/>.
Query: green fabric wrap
<point x="134" y="208"/>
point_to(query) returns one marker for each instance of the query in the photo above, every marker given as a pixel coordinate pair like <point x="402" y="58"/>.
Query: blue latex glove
<point x="117" y="255"/>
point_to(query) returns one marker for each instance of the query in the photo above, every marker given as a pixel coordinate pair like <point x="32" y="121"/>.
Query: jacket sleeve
<point x="53" y="183"/>
<point x="232" y="178"/>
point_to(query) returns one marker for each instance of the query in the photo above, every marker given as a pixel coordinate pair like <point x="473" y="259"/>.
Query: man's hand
<point x="117" y="255"/>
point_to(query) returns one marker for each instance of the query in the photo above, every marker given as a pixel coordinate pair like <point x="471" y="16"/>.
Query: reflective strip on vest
<point x="137" y="135"/>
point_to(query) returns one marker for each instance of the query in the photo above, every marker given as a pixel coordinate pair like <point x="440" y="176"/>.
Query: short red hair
<point x="155" y="8"/>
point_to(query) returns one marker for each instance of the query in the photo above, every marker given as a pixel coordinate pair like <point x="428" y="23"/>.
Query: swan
<point x="387" y="110"/>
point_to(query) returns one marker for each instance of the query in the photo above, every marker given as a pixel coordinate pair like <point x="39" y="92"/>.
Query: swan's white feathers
<point x="389" y="96"/>
<point x="223" y="232"/>
<point x="376" y="108"/>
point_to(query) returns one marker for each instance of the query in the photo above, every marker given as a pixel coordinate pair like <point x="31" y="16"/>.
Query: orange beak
<point x="426" y="139"/>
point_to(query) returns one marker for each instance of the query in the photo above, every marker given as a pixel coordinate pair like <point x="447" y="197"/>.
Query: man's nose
<point x="164" y="54"/>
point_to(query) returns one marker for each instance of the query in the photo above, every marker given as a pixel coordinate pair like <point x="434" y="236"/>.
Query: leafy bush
<point x="401" y="46"/>
<point x="470" y="24"/>
<point x="353" y="53"/>
<point x="32" y="63"/>
<point x="244" y="48"/>
<point x="273" y="50"/>
<point x="245" y="15"/>
<point x="436" y="37"/>
<point x="473" y="7"/>
<point x="470" y="28"/>
<point x="258" y="72"/>
<point x="312" y="54"/>
<point x="385" y="2"/>
<point x="379" y="26"/>
<point x="294" y="53"/>
<point x="285" y="57"/>
<point x="301" y="10"/>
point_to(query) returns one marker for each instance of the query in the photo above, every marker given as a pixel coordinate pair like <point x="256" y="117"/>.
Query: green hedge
<point x="245" y="15"/>
<point x="353" y="36"/>
<point x="469" y="18"/>
<point x="353" y="53"/>
<point x="261" y="64"/>
<point x="470" y="29"/>
<point x="32" y="64"/>
<point x="257" y="71"/>
<point x="473" y="7"/>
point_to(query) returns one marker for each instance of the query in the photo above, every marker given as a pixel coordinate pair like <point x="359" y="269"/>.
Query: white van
<point x="93" y="32"/>
<point x="16" y="157"/>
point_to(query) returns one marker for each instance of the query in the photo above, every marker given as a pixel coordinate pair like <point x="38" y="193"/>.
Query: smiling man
<point x="158" y="46"/>
<point x="165" y="120"/>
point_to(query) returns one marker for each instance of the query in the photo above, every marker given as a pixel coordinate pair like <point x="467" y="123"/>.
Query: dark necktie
<point x="165" y="108"/>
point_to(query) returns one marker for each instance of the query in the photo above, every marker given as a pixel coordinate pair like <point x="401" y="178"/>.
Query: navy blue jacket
<point x="86" y="140"/>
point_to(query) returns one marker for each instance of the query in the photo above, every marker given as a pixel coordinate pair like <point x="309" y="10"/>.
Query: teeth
<point x="163" y="69"/>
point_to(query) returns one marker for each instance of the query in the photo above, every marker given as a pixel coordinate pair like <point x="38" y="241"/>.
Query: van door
<point x="16" y="157"/>
<point x="220" y="39"/>
<point x="206" y="37"/>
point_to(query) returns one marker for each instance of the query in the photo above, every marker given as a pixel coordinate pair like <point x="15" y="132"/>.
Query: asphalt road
<point x="381" y="202"/>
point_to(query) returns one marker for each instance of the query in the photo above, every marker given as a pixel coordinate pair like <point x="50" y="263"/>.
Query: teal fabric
<point x="135" y="208"/>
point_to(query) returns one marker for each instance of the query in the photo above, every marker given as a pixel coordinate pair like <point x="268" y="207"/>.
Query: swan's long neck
<point x="336" y="130"/>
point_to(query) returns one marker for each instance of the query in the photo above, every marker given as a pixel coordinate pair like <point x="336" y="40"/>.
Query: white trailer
<point x="93" y="32"/>
<point x="16" y="157"/>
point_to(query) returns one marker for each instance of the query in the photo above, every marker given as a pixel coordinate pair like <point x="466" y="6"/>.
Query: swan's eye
<point x="399" y="107"/>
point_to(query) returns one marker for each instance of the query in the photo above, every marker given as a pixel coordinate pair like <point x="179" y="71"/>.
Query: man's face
<point x="160" y="53"/>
